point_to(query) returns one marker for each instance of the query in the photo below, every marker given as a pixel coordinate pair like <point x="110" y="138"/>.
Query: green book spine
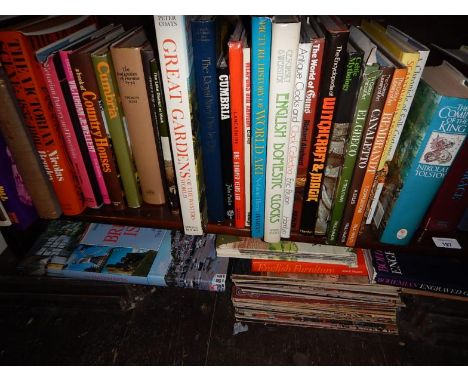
<point x="370" y="76"/>
<point x="105" y="76"/>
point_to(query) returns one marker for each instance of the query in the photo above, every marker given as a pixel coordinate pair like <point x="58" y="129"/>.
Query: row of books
<point x="283" y="124"/>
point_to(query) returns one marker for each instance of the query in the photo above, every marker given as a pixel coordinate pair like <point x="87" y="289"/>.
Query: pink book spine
<point x="84" y="125"/>
<point x="68" y="132"/>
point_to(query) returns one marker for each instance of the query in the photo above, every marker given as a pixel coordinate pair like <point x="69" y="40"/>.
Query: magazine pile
<point x="127" y="254"/>
<point x="308" y="285"/>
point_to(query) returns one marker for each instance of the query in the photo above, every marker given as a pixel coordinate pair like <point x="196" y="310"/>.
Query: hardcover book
<point x="336" y="35"/>
<point x="247" y="132"/>
<point x="433" y="135"/>
<point x="127" y="58"/>
<point x="175" y="55"/>
<point x="284" y="48"/>
<point x="261" y="54"/>
<point x="295" y="132"/>
<point x="204" y="33"/>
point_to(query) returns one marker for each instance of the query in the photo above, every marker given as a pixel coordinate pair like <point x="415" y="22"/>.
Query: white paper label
<point x="443" y="242"/>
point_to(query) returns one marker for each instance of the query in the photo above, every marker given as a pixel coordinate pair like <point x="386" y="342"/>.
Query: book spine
<point x="65" y="57"/>
<point x="247" y="132"/>
<point x="295" y="134"/>
<point x="284" y="48"/>
<point x="88" y="89"/>
<point x="13" y="193"/>
<point x="368" y="137"/>
<point x="278" y="266"/>
<point x="345" y="109"/>
<point x="110" y="97"/>
<point x="161" y="114"/>
<point x="432" y="150"/>
<point x="24" y="154"/>
<point x="310" y="109"/>
<point x="370" y="76"/>
<point x="204" y="63"/>
<point x="261" y="53"/>
<point x="68" y="133"/>
<point x="331" y="81"/>
<point x="28" y="85"/>
<point x="175" y="57"/>
<point x="226" y="140"/>
<point x="447" y="209"/>
<point x="237" y="129"/>
<point x="376" y="153"/>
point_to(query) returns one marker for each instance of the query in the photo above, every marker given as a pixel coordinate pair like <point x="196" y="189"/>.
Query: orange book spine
<point x="376" y="153"/>
<point x="237" y="125"/>
<point x="279" y="266"/>
<point x="31" y="92"/>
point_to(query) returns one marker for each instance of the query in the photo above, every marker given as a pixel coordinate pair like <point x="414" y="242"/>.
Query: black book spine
<point x="330" y="85"/>
<point x="222" y="73"/>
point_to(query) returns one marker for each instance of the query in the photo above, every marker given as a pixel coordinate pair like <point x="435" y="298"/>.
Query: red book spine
<point x="310" y="109"/>
<point x="31" y="92"/>
<point x="237" y="125"/>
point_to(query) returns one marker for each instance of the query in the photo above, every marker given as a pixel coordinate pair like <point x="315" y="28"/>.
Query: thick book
<point x="434" y="133"/>
<point x="284" y="47"/>
<point x="13" y="192"/>
<point x="369" y="78"/>
<point x="276" y="266"/>
<point x="175" y="55"/>
<point x="247" y="132"/>
<point x="23" y="152"/>
<point x="336" y="150"/>
<point x="46" y="57"/>
<point x="440" y="274"/>
<point x="116" y="123"/>
<point x="18" y="52"/>
<point x="336" y="37"/>
<point x="310" y="109"/>
<point x="222" y="76"/>
<point x="295" y="130"/>
<point x="204" y="34"/>
<point x="369" y="134"/>
<point x="88" y="89"/>
<point x="128" y="64"/>
<point x="452" y="199"/>
<point x="260" y="80"/>
<point x="236" y="83"/>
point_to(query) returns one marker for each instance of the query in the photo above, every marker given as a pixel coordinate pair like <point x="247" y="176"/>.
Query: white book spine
<point x="284" y="47"/>
<point x="295" y="132"/>
<point x="175" y="55"/>
<point x="247" y="165"/>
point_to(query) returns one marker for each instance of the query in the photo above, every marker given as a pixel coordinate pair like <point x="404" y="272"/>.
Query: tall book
<point x="452" y="199"/>
<point x="23" y="152"/>
<point x="295" y="132"/>
<point x="260" y="80"/>
<point x="204" y="33"/>
<point x="116" y="123"/>
<point x="284" y="47"/>
<point x="414" y="60"/>
<point x="434" y="133"/>
<point x="310" y="109"/>
<point x="336" y="151"/>
<point x="88" y="89"/>
<point x="336" y="35"/>
<point x="247" y="132"/>
<point x="369" y="78"/>
<point x="52" y="76"/>
<point x="236" y="83"/>
<point x="18" y="57"/>
<point x="175" y="55"/>
<point x="369" y="134"/>
<point x="223" y="81"/>
<point x="13" y="192"/>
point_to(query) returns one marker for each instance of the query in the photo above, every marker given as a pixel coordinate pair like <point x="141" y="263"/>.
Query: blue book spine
<point x="438" y="133"/>
<point x="260" y="80"/>
<point x="204" y="56"/>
